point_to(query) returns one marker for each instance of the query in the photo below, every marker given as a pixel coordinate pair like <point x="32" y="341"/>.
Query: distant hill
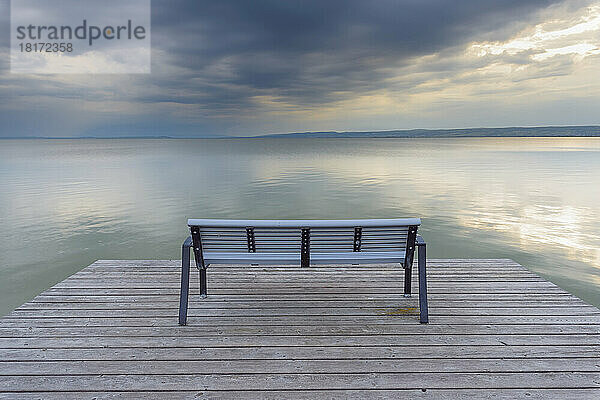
<point x="542" y="131"/>
<point x="538" y="131"/>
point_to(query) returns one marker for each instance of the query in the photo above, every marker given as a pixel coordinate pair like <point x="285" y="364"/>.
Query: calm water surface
<point x="66" y="203"/>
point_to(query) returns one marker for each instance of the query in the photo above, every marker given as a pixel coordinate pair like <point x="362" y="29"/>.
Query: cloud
<point x="239" y="68"/>
<point x="318" y="52"/>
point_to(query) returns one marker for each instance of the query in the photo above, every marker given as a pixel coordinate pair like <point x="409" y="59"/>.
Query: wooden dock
<point x="110" y="331"/>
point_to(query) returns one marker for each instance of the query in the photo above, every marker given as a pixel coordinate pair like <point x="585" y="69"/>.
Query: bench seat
<point x="315" y="258"/>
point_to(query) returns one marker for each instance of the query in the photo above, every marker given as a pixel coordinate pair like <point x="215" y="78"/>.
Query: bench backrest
<point x="298" y="236"/>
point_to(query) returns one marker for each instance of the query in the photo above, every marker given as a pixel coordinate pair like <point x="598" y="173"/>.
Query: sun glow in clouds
<point x="550" y="38"/>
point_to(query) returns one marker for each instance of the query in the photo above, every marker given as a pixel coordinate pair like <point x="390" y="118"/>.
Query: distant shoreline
<point x="510" y="132"/>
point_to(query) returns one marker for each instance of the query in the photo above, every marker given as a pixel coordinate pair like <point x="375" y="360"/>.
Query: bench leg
<point x="203" y="283"/>
<point x="423" y="311"/>
<point x="185" y="280"/>
<point x="407" y="282"/>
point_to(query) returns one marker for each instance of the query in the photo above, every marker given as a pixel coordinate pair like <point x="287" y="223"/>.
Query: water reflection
<point x="65" y="203"/>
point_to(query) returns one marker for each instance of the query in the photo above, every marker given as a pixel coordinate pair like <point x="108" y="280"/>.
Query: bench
<point x="303" y="242"/>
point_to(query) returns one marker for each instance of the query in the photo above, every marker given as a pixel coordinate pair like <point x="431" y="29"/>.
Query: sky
<point x="245" y="68"/>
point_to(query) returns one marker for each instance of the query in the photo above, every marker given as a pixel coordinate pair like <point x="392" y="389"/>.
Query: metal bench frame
<point x="402" y="256"/>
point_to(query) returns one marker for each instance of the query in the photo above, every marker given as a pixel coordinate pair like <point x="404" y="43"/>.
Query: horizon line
<point x="332" y="133"/>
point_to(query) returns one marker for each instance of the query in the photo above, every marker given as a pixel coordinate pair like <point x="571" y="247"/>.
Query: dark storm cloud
<point x="309" y="52"/>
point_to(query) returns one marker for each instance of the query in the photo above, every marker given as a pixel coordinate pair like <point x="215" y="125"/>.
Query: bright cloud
<point x="551" y="38"/>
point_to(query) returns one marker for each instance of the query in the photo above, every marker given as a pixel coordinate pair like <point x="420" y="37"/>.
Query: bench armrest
<point x="420" y="241"/>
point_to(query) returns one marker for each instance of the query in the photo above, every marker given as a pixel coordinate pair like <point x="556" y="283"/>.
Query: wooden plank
<point x="356" y="271"/>
<point x="397" y="310"/>
<point x="306" y="304"/>
<point x="307" y="291"/>
<point x="440" y="264"/>
<point x="439" y="268"/>
<point x="442" y="261"/>
<point x="474" y="267"/>
<point x="380" y="281"/>
<point x="308" y="273"/>
<point x="297" y="320"/>
<point x="389" y="328"/>
<point x="213" y="297"/>
<point x="409" y="380"/>
<point x="303" y="353"/>
<point x="460" y="394"/>
<point x="191" y="367"/>
<point x="292" y="284"/>
<point x="465" y="270"/>
<point x="299" y="340"/>
<point x="450" y="262"/>
<point x="314" y="270"/>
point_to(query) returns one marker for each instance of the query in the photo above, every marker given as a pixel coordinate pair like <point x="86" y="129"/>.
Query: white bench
<point x="303" y="242"/>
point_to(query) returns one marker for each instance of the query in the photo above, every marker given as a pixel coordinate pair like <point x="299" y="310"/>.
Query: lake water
<point x="66" y="203"/>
